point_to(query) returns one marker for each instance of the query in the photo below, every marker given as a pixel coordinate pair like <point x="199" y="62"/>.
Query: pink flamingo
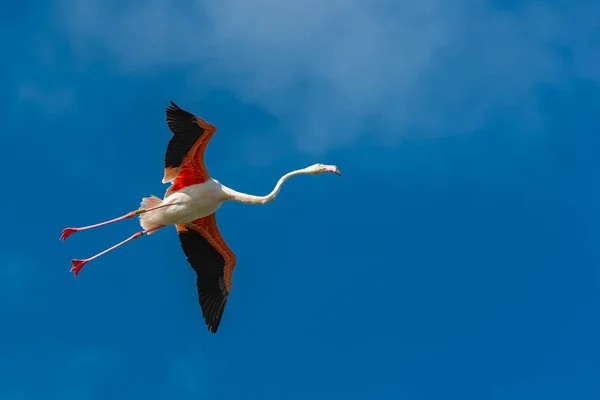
<point x="190" y="203"/>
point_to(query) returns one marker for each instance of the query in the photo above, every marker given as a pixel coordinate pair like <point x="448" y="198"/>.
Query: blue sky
<point x="456" y="257"/>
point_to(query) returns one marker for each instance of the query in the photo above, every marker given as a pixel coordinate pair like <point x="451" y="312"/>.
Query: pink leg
<point x="68" y="231"/>
<point x="78" y="264"/>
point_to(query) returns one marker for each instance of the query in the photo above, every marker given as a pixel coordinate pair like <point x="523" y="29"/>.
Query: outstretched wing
<point x="184" y="158"/>
<point x="213" y="261"/>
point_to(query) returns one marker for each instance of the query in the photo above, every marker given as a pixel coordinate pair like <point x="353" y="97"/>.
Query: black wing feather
<point x="186" y="132"/>
<point x="209" y="265"/>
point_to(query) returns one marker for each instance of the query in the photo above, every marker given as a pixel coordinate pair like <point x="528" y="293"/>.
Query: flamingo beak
<point x="334" y="169"/>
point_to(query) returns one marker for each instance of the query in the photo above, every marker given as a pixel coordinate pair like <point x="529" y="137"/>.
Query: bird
<point x="190" y="204"/>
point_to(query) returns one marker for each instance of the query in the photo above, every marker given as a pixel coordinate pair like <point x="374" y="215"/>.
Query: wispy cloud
<point x="386" y="70"/>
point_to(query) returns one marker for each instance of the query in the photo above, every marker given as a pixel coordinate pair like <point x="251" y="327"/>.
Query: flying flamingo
<point x="190" y="203"/>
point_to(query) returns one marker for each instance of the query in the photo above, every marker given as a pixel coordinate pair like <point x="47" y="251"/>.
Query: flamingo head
<point x="318" y="169"/>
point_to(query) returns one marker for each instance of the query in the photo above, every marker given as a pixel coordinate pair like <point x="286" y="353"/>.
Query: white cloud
<point x="335" y="70"/>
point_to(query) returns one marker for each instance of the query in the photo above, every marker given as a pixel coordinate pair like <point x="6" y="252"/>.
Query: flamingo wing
<point x="184" y="158"/>
<point x="213" y="261"/>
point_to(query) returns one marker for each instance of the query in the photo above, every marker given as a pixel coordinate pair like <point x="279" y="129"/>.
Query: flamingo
<point x="190" y="204"/>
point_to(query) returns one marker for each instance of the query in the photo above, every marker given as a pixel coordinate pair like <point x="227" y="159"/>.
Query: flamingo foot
<point x="77" y="265"/>
<point x="67" y="232"/>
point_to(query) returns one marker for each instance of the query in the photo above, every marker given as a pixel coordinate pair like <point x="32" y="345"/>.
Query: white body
<point x="188" y="204"/>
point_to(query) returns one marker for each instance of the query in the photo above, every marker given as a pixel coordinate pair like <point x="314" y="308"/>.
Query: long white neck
<point x="252" y="199"/>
